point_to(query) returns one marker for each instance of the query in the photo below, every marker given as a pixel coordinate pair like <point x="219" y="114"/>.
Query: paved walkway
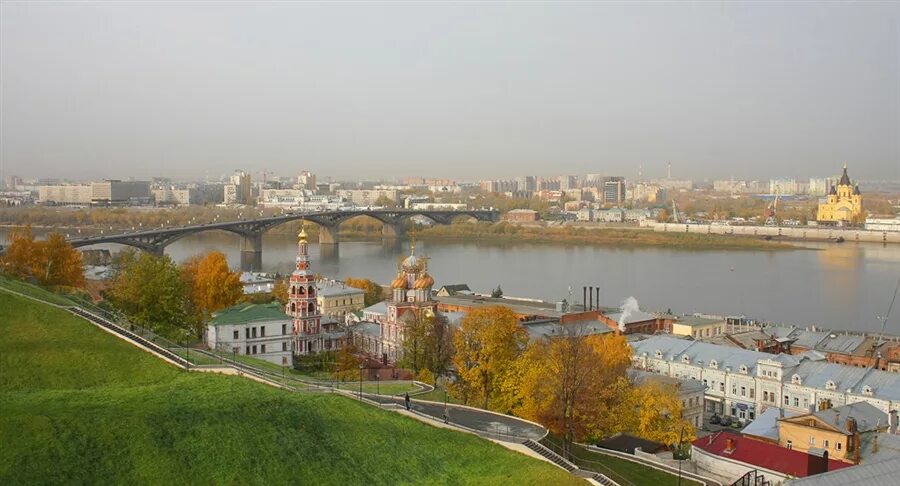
<point x="502" y="426"/>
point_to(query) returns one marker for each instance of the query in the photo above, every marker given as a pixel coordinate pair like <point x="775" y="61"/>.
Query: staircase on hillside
<point x="128" y="334"/>
<point x="602" y="479"/>
<point x="550" y="455"/>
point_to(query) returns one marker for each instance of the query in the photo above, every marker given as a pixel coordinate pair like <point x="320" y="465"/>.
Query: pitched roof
<point x="336" y="290"/>
<point x="867" y="417"/>
<point x="244" y="313"/>
<point x="761" y="454"/>
<point x="766" y="423"/>
<point x="879" y="472"/>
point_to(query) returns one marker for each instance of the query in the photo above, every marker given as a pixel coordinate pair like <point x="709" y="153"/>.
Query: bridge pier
<point x="251" y="252"/>
<point x="328" y="235"/>
<point x="392" y="230"/>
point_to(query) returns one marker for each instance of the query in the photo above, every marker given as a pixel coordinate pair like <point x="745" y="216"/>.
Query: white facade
<point x="744" y="383"/>
<point x="270" y="340"/>
<point x="883" y="224"/>
<point x="65" y="194"/>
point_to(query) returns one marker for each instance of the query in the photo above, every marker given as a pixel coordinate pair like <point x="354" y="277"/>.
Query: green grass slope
<point x="80" y="406"/>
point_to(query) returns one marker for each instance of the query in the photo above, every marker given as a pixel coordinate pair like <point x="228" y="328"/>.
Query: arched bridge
<point x="251" y="230"/>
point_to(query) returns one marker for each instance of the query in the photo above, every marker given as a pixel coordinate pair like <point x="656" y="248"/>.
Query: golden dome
<point x="424" y="282"/>
<point x="399" y="282"/>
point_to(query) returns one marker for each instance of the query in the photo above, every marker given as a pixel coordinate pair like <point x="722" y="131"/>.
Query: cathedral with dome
<point x="380" y="333"/>
<point x="843" y="205"/>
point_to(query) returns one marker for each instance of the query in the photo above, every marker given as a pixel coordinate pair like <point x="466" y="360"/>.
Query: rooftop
<point x="695" y="321"/>
<point x="337" y="290"/>
<point x="244" y="313"/>
<point x="634" y="316"/>
<point x="877" y="472"/>
<point x="766" y="423"/>
<point x="761" y="454"/>
<point x="519" y="306"/>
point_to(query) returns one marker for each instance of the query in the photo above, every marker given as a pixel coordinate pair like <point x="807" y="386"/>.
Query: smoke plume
<point x="628" y="307"/>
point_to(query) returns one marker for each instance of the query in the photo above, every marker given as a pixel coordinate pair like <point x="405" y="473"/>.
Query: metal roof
<point x="867" y="417"/>
<point x="884" y="473"/>
<point x="245" y="313"/>
<point x="338" y="290"/>
<point x="766" y="424"/>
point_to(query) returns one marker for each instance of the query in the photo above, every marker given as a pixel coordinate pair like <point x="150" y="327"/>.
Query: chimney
<point x="729" y="445"/>
<point x="597" y="300"/>
<point x="584" y="298"/>
<point x="591" y="297"/>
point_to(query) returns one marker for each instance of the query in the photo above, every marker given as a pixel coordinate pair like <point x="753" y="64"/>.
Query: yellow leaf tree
<point x="488" y="344"/>
<point x="280" y="290"/>
<point x="212" y="286"/>
<point x="51" y="262"/>
<point x="658" y="408"/>
<point x="574" y="381"/>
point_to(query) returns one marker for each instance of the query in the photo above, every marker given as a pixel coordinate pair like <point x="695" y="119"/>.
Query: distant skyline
<point x="465" y="91"/>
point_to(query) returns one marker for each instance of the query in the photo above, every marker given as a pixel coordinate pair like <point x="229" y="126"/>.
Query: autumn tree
<point x="51" y="262"/>
<point x="347" y="366"/>
<point x="211" y="286"/>
<point x="280" y="291"/>
<point x="372" y="290"/>
<point x="488" y="343"/>
<point x="150" y="290"/>
<point x="427" y="343"/>
<point x="571" y="382"/>
<point x="658" y="410"/>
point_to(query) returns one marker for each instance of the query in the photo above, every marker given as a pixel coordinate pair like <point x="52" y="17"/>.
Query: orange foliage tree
<point x="574" y="382"/>
<point x="211" y="285"/>
<point x="52" y="261"/>
<point x="372" y="290"/>
<point x="488" y="343"/>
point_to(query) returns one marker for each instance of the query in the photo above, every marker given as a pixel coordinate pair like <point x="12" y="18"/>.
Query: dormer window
<point x="829" y="385"/>
<point x="658" y="354"/>
<point x="743" y="369"/>
<point x="867" y="391"/>
<point x="685" y="359"/>
<point x="796" y="380"/>
<point x="713" y="364"/>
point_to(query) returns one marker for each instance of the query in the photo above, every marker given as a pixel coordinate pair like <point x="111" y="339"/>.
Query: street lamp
<point x="378" y="386"/>
<point x="360" y="381"/>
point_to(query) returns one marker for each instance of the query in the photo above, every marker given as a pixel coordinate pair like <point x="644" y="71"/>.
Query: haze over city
<point x="186" y="90"/>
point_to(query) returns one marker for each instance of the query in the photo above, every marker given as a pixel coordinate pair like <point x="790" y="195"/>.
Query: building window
<point x="254" y="349"/>
<point x="825" y="444"/>
<point x="722" y="387"/>
<point x="838" y="445"/>
<point x="283" y="329"/>
<point x="236" y="334"/>
<point x="248" y="350"/>
<point x="253" y="332"/>
<point x="247" y="332"/>
<point x="796" y="402"/>
<point x="743" y="391"/>
<point x="284" y="346"/>
<point x="262" y="349"/>
<point x="752" y="392"/>
<point x="790" y="445"/>
<point x="733" y="389"/>
<point x="787" y="401"/>
<point x="812" y="441"/>
<point x="262" y="331"/>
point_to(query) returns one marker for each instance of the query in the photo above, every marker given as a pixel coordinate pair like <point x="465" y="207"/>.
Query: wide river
<point x="837" y="286"/>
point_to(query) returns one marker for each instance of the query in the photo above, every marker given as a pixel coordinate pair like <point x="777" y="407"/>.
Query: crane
<point x="772" y="210"/>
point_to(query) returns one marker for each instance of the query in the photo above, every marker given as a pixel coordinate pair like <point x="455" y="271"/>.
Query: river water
<point x="837" y="286"/>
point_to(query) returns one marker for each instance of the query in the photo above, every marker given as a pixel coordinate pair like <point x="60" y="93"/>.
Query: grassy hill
<point x="80" y="406"/>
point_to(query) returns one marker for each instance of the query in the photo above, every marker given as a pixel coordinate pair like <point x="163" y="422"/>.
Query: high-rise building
<point x="783" y="186"/>
<point x="307" y="180"/>
<point x="240" y="190"/>
<point x="526" y="183"/>
<point x="614" y="191"/>
<point x="568" y="183"/>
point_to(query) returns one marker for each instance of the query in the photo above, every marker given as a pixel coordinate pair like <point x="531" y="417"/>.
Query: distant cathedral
<point x="843" y="203"/>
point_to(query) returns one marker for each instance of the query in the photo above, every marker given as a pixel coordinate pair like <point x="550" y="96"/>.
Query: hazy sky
<point x="468" y="90"/>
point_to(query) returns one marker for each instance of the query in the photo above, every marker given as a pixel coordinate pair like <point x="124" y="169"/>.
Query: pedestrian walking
<point x="406" y="399"/>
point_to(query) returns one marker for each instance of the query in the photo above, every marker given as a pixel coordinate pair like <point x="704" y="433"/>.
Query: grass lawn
<point x="33" y="291"/>
<point x="80" y="406"/>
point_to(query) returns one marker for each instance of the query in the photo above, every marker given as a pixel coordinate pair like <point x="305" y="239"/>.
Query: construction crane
<point x="772" y="210"/>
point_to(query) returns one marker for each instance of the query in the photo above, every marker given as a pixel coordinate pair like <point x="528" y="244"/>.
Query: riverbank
<point x="603" y="236"/>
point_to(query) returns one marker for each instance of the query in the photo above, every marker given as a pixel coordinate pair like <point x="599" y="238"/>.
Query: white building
<point x="883" y="224"/>
<point x="365" y="197"/>
<point x="743" y="383"/>
<point x="65" y="194"/>
<point x="170" y="195"/>
<point x="259" y="330"/>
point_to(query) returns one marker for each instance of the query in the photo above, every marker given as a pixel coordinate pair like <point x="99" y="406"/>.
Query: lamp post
<point x="378" y="386"/>
<point x="360" y="381"/>
<point x="680" y="452"/>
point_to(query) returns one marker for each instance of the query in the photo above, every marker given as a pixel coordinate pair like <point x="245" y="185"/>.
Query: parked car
<point x="726" y="421"/>
<point x="715" y="419"/>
